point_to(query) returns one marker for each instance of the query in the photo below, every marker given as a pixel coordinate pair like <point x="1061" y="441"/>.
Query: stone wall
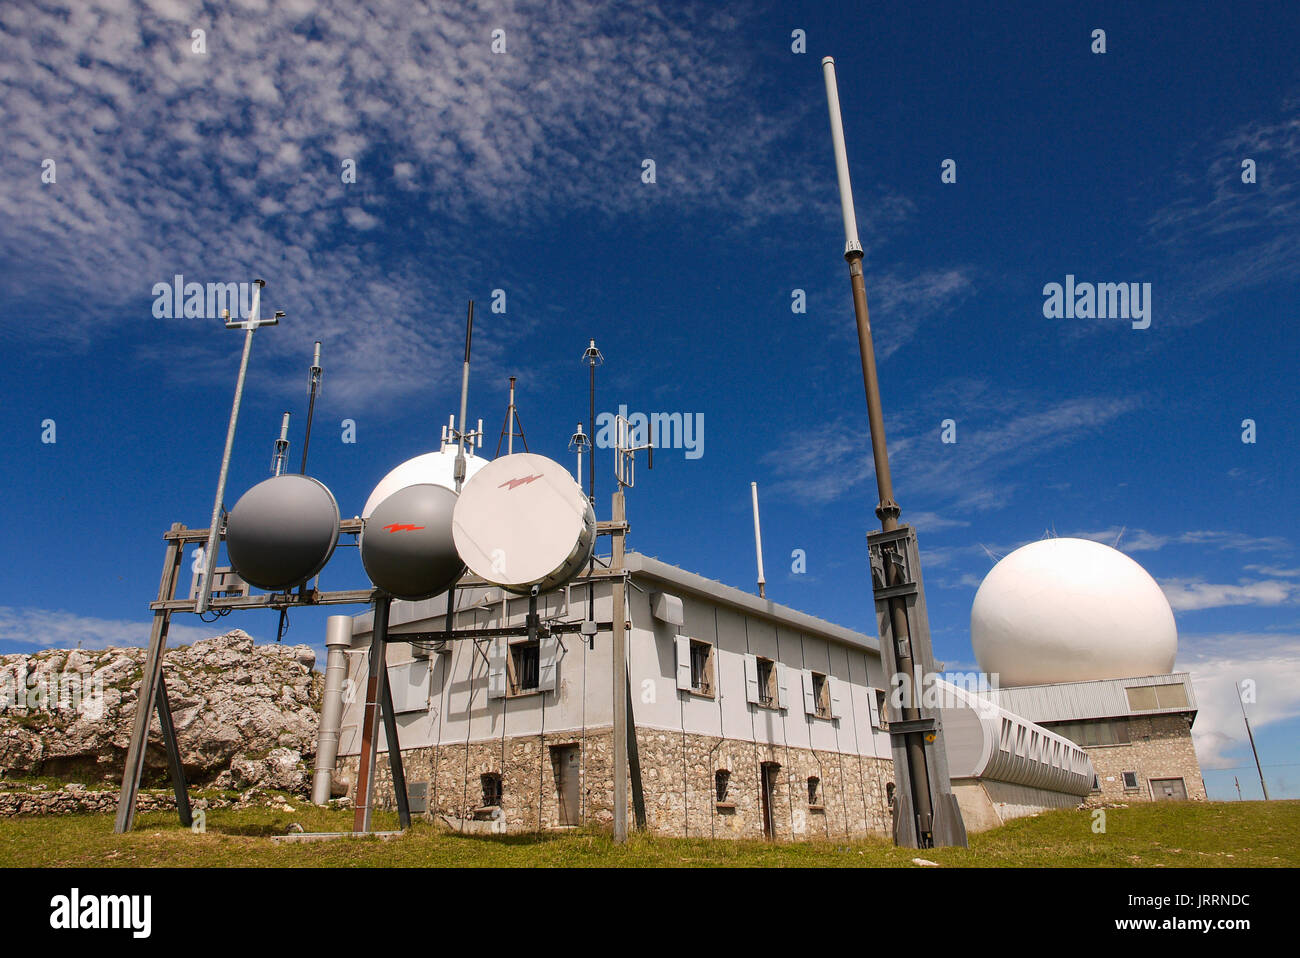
<point x="1160" y="747"/>
<point x="678" y="773"/>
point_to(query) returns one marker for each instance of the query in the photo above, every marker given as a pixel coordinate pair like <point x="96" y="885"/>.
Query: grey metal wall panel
<point x="817" y="657"/>
<point x="697" y="714"/>
<point x="732" y="647"/>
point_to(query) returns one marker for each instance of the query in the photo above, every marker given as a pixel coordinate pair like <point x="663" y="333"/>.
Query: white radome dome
<point x="1071" y="610"/>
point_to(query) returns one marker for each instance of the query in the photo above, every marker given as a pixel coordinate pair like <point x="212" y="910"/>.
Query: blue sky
<point x="522" y="171"/>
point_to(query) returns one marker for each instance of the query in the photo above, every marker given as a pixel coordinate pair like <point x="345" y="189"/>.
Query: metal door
<point x="1168" y="789"/>
<point x="565" y="762"/>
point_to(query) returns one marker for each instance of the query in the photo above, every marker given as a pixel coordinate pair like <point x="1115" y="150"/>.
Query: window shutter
<point x="684" y="662"/>
<point x="751" y="678"/>
<point x="497" y="668"/>
<point x="547" y="650"/>
<point x="809" y="699"/>
<point x="782" y="685"/>
<point x="873" y="703"/>
<point x="837" y="708"/>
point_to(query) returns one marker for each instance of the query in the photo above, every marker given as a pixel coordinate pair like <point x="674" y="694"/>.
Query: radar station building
<point x="752" y="719"/>
<point x="1082" y="641"/>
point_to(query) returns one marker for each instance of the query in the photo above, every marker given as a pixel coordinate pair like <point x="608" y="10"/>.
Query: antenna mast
<point x="1251" y="735"/>
<point x="508" y="429"/>
<point x="314" y="375"/>
<point x="281" y="447"/>
<point x="926" y="813"/>
<point x="758" y="543"/>
<point x="250" y="324"/>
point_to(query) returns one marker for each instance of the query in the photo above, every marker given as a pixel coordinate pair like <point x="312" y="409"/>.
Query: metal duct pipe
<point x="338" y="639"/>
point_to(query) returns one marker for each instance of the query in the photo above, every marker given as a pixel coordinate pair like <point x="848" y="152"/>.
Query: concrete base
<point x="987" y="804"/>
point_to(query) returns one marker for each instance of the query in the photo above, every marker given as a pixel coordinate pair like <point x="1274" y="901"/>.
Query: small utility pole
<point x="1251" y="735"/>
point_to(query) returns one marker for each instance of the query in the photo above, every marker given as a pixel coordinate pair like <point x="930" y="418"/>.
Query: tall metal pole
<point x="210" y="549"/>
<point x="758" y="543"/>
<point x="449" y="623"/>
<point x="1251" y="735"/>
<point x="464" y="400"/>
<point x="618" y="593"/>
<point x="887" y="510"/>
<point x="314" y="373"/>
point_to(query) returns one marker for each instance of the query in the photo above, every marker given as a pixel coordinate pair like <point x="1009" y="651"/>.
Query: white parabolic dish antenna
<point x="1071" y="610"/>
<point x="432" y="468"/>
<point x="522" y="522"/>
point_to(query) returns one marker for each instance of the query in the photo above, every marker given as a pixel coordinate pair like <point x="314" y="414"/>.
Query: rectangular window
<point x="1142" y="698"/>
<point x="766" y="682"/>
<point x="1130" y="779"/>
<point x="491" y="782"/>
<point x="525" y="662"/>
<point x="1145" y="698"/>
<point x="701" y="667"/>
<point x="1172" y="696"/>
<point x="821" y="695"/>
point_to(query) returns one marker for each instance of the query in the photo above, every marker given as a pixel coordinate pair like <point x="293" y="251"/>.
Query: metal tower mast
<point x="925" y="810"/>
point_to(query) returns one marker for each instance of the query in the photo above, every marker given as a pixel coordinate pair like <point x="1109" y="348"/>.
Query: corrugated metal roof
<point x="1104" y="698"/>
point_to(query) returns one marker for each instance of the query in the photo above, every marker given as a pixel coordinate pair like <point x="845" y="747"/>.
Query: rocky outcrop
<point x="246" y="715"/>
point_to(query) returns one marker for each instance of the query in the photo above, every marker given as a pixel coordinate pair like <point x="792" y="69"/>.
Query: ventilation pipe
<point x="338" y="639"/>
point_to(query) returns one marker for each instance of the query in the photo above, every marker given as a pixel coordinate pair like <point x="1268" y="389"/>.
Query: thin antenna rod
<point x="281" y="447"/>
<point x="464" y="400"/>
<point x="758" y="543"/>
<point x="1251" y="735"/>
<point x="314" y="373"/>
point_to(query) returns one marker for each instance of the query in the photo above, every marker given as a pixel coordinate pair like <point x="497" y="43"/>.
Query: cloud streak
<point x="226" y="166"/>
<point x="57" y="629"/>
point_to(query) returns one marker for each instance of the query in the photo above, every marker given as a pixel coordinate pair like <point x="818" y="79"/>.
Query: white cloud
<point x="977" y="473"/>
<point x="1141" y="540"/>
<point x="1217" y="663"/>
<point x="226" y="166"/>
<point x="54" y="629"/>
<point x="1186" y="594"/>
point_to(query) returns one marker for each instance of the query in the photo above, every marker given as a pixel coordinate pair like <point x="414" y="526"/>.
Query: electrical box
<point x="667" y="608"/>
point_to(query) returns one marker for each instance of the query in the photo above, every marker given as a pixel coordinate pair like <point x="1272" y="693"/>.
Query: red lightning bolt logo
<point x="399" y="527"/>
<point x="515" y="483"/>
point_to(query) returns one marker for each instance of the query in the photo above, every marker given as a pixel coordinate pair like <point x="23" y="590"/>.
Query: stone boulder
<point x="69" y="714"/>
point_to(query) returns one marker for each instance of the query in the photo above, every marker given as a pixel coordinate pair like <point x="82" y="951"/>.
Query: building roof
<point x="646" y="570"/>
<point x="643" y="567"/>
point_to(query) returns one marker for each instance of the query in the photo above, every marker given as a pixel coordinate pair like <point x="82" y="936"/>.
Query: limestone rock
<point x="69" y="714"/>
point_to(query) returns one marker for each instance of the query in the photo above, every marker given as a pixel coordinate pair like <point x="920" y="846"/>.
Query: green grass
<point x="1251" y="834"/>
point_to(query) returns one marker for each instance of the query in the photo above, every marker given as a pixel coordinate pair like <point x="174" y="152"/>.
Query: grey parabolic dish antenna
<point x="406" y="543"/>
<point x="282" y="531"/>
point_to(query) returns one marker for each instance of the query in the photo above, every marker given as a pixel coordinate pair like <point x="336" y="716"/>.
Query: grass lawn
<point x="1251" y="834"/>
